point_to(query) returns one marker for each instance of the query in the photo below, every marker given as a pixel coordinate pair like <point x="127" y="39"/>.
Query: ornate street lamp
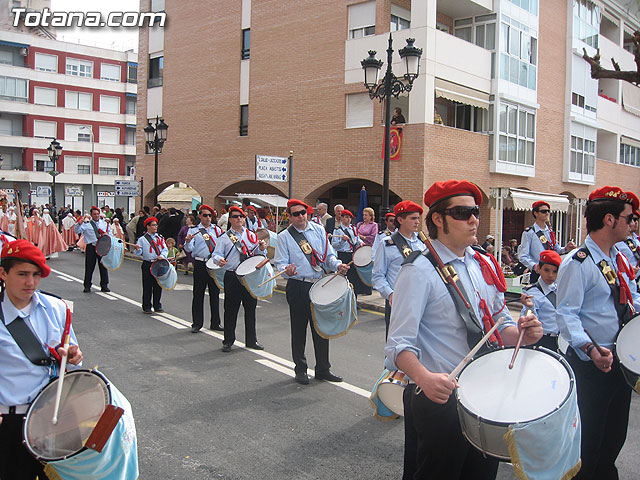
<point x="55" y="152"/>
<point x="156" y="136"/>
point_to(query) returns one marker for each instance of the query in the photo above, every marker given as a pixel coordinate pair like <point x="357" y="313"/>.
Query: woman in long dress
<point x="33" y="226"/>
<point x="68" y="233"/>
<point x="49" y="239"/>
<point x="116" y="228"/>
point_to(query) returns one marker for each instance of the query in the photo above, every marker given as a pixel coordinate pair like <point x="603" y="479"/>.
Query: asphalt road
<point x="203" y="414"/>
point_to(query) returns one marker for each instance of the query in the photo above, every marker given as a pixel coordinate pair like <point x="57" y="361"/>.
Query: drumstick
<point x="474" y="350"/>
<point x="445" y="271"/>
<point x="63" y="365"/>
<point x="518" y="344"/>
<point x="595" y="344"/>
<point x="335" y="275"/>
<point x="272" y="278"/>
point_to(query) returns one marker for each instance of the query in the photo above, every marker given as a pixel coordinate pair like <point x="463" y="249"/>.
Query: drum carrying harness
<point x="152" y="244"/>
<point x="551" y="296"/>
<point x="207" y="238"/>
<point x="634" y="248"/>
<point x="311" y="255"/>
<point x="399" y="241"/>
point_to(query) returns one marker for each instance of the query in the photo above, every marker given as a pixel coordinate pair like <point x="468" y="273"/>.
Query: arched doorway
<point x="178" y="195"/>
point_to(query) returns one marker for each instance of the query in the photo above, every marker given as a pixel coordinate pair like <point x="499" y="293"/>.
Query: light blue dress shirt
<point x="424" y="319"/>
<point x="388" y="261"/>
<point x="147" y="252"/>
<point x="21" y="380"/>
<point x="585" y="300"/>
<point x="378" y="241"/>
<point x="197" y="246"/>
<point x="531" y="247"/>
<point x="626" y="251"/>
<point x="289" y="252"/>
<point x="226" y="248"/>
<point x="542" y="306"/>
<point x="86" y="229"/>
<point x="341" y="245"/>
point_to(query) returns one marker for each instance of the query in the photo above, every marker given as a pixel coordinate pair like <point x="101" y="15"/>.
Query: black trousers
<point x="435" y="448"/>
<point x="234" y="294"/>
<point x="548" y="341"/>
<point x="90" y="259"/>
<point x="387" y="318"/>
<point x="604" y="400"/>
<point x="300" y="313"/>
<point x="359" y="288"/>
<point x="150" y="288"/>
<point x="202" y="280"/>
<point x="16" y="463"/>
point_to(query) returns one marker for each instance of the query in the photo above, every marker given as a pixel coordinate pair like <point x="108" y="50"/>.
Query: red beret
<point x="148" y="220"/>
<point x="27" y="251"/>
<point x="233" y="208"/>
<point x="636" y="213"/>
<point x="407" y="206"/>
<point x="610" y="193"/>
<point x="309" y="210"/>
<point x="551" y="257"/>
<point x="390" y="214"/>
<point x="204" y="206"/>
<point x="346" y="213"/>
<point x="540" y="203"/>
<point x="251" y="207"/>
<point x="93" y="207"/>
<point x="635" y="201"/>
<point x="451" y="188"/>
<point x="293" y="202"/>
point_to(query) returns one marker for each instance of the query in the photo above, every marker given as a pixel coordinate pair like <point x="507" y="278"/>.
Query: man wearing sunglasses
<point x="539" y="237"/>
<point x="630" y="246"/>
<point x="201" y="242"/>
<point x="428" y="335"/>
<point x="596" y="294"/>
<point x="302" y="268"/>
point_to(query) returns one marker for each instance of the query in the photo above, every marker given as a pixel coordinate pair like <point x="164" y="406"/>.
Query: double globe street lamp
<point x="389" y="86"/>
<point x="55" y="152"/>
<point x="156" y="135"/>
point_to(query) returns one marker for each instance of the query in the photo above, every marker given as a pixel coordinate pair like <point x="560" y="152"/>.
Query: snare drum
<point x="363" y="263"/>
<point x="114" y="255"/>
<point x="216" y="272"/>
<point x="85" y="396"/>
<point x="333" y="306"/>
<point x="390" y="389"/>
<point x="251" y="276"/>
<point x="164" y="273"/>
<point x="627" y="350"/>
<point x="492" y="398"/>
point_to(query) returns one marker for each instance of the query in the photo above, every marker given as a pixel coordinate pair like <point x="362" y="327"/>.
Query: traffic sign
<point x="127" y="188"/>
<point x="43" y="191"/>
<point x="73" y="191"/>
<point x="272" y="169"/>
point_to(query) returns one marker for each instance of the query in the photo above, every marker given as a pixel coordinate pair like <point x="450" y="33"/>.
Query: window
<point x="362" y="19"/>
<point x="108" y="166"/>
<point x="110" y="72"/>
<point x="132" y="73"/>
<point x="78" y="100"/>
<point x="586" y="22"/>
<point x="629" y="155"/>
<point x="46" y="63"/>
<point x="463" y="28"/>
<point x="583" y="156"/>
<point x="45" y="129"/>
<point x="41" y="163"/>
<point x="480" y="30"/>
<point x="79" y="68"/>
<point x="77" y="133"/>
<point x="110" y="135"/>
<point x="519" y="56"/>
<point x="157" y="5"/>
<point x="156" y="66"/>
<point x="73" y="164"/>
<point x="6" y="57"/>
<point x="244" y="120"/>
<point x="529" y="5"/>
<point x="13" y="89"/>
<point x="130" y="138"/>
<point x="109" y="104"/>
<point x="131" y="105"/>
<point x="246" y="37"/>
<point x="359" y="110"/>
<point x="45" y="96"/>
<point x="400" y="18"/>
<point x="517" y="135"/>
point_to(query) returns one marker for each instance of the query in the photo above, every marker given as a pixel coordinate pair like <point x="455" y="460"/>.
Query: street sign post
<point x="73" y="191"/>
<point x="127" y="188"/>
<point x="43" y="191"/>
<point x="272" y="169"/>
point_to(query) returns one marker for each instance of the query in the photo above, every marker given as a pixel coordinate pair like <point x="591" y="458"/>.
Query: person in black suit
<point x="335" y="220"/>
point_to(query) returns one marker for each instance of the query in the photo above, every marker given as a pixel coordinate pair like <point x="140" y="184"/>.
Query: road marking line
<point x="277" y="367"/>
<point x="64" y="278"/>
<point x="105" y="295"/>
<point x="168" y="322"/>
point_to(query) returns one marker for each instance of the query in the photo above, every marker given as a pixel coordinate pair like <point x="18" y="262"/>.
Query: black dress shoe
<point x="105" y="290"/>
<point x="302" y="378"/>
<point x="148" y="312"/>
<point x="86" y="290"/>
<point x="217" y="328"/>
<point x="158" y="310"/>
<point x="329" y="376"/>
<point x="226" y="348"/>
<point x="195" y="329"/>
<point x="255" y="346"/>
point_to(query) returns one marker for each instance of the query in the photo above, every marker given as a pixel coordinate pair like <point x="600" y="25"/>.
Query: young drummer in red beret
<point x="428" y="336"/>
<point x="345" y="241"/>
<point x="92" y="231"/>
<point x="150" y="247"/>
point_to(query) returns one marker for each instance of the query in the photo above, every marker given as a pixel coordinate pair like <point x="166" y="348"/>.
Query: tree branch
<point x="631" y="76"/>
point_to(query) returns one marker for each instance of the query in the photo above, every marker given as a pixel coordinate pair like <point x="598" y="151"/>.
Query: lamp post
<point x="55" y="151"/>
<point x="156" y="136"/>
<point x="389" y="86"/>
<point x="93" y="193"/>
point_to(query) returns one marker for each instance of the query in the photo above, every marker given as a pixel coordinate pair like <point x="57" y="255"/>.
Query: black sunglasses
<point x="298" y="213"/>
<point x="462" y="212"/>
<point x="635" y="219"/>
<point x="206" y="214"/>
<point x="544" y="211"/>
<point x="236" y="216"/>
<point x="629" y="218"/>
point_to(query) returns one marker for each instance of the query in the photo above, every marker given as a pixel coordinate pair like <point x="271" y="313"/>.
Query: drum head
<point x="85" y="396"/>
<point x="362" y="256"/>
<point x="628" y="345"/>
<point x="211" y="264"/>
<point x="160" y="268"/>
<point x="249" y="265"/>
<point x="324" y="295"/>
<point x="539" y="382"/>
<point x="391" y="391"/>
<point x="103" y="245"/>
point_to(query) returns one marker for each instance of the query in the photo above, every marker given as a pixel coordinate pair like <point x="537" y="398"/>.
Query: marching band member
<point x="200" y="242"/>
<point x="34" y="321"/>
<point x="345" y="241"/>
<point x="390" y="227"/>
<point x="428" y="336"/>
<point x="150" y="247"/>
<point x="302" y="250"/>
<point x="238" y="244"/>
<point x="596" y="293"/>
<point x="92" y="230"/>
<point x="630" y="246"/>
<point x="393" y="250"/>
<point x="539" y="237"/>
<point x="252" y="220"/>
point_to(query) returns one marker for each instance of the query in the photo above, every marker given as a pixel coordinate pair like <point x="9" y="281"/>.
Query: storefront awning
<point x="459" y="93"/>
<point x="518" y="199"/>
<point x="261" y="199"/>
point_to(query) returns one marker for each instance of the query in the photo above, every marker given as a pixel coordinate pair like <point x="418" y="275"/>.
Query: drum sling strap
<point x="351" y="241"/>
<point x="149" y="239"/>
<point x="237" y="244"/>
<point x="96" y="230"/>
<point x="551" y="296"/>
<point x="399" y="241"/>
<point x="207" y="239"/>
<point x="304" y="245"/>
<point x="27" y="341"/>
